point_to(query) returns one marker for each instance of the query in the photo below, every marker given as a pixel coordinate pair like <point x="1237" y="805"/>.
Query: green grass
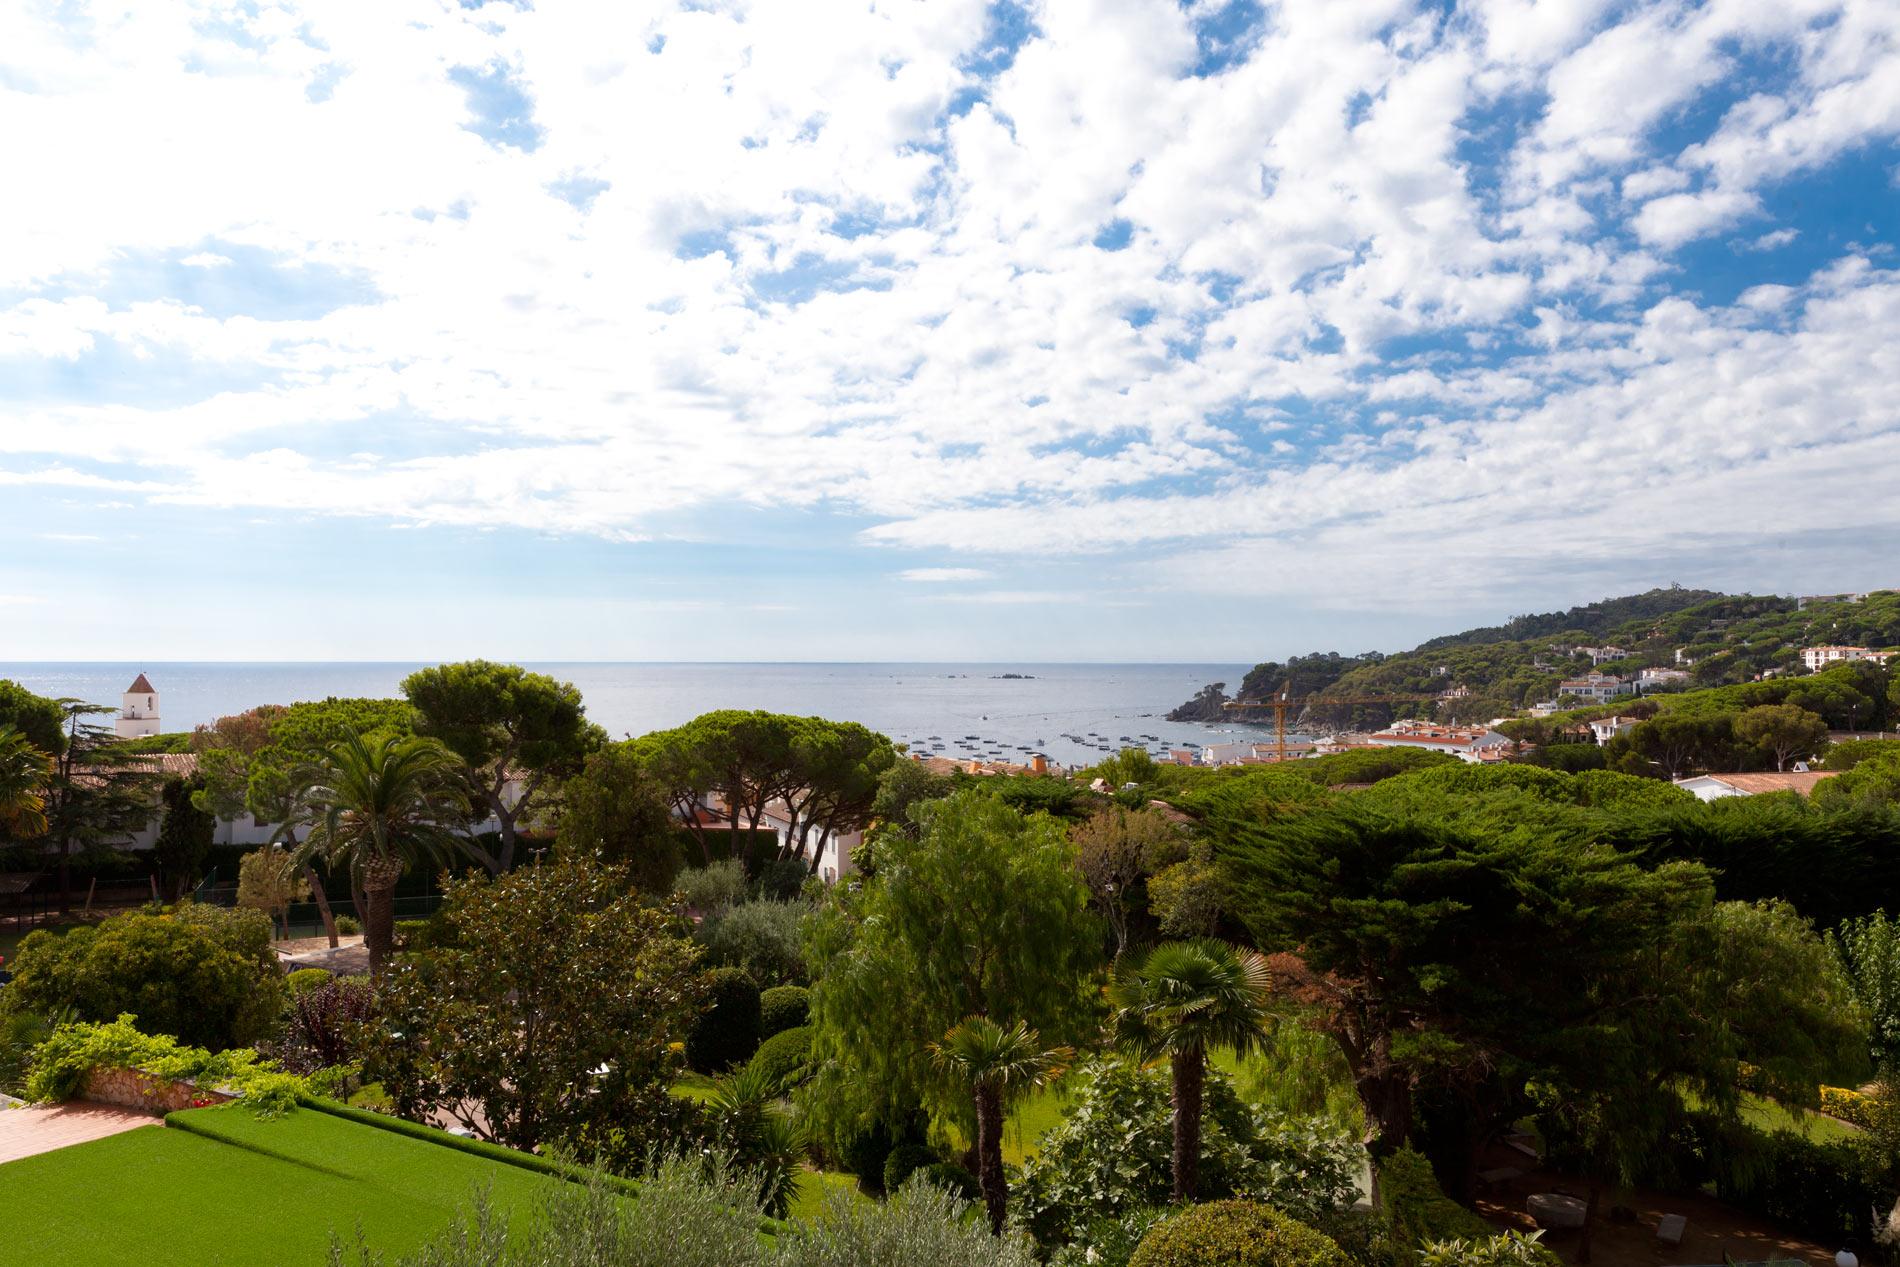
<point x="222" y="1186"/>
<point x="1766" y="1115"/>
<point x="814" y="1185"/>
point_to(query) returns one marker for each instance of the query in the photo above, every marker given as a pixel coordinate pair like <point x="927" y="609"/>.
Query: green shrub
<point x="1419" y="1209"/>
<point x="762" y="937"/>
<point x="728" y="1031"/>
<point x="348" y="926"/>
<point x="783" y="1007"/>
<point x="1823" y="1190"/>
<point x="922" y="1226"/>
<point x="62" y="1063"/>
<point x="864" y="1152"/>
<point x="1113" y="1153"/>
<point x="712" y="888"/>
<point x="205" y="975"/>
<point x="905" y="1160"/>
<point x="304" y="980"/>
<point x="1513" y="1249"/>
<point x="782" y="1058"/>
<point x="781" y="879"/>
<point x="949" y="1176"/>
<point x="1235" y="1234"/>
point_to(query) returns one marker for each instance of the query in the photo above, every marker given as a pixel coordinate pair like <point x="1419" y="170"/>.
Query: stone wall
<point x="136" y="1089"/>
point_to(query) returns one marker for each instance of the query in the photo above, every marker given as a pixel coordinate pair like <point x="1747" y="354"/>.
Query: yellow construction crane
<point x="1283" y="703"/>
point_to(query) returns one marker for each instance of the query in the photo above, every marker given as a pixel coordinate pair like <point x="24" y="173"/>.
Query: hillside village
<point x="1536" y="688"/>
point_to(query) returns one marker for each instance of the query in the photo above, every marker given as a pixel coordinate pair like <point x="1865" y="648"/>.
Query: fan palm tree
<point x="999" y="1064"/>
<point x="378" y="806"/>
<point x="24" y="770"/>
<point x="1183" y="998"/>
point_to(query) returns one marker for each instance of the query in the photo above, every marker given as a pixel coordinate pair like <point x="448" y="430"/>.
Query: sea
<point x="1075" y="714"/>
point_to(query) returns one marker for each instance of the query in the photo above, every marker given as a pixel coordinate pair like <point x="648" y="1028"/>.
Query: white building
<point x="1601" y="655"/>
<point x="1662" y="679"/>
<point x="1608" y="728"/>
<point x="1469" y="742"/>
<point x="1597" y="687"/>
<point x="138" y="710"/>
<point x="1818" y="658"/>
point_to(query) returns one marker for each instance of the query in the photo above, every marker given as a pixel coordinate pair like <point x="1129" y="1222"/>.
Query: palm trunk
<point x="1190" y="1072"/>
<point x="323" y="904"/>
<point x="989" y="1150"/>
<point x="379" y="920"/>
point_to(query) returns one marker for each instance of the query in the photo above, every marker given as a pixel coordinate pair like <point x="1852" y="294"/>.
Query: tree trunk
<point x="506" y="817"/>
<point x="1589" y="1221"/>
<point x="1190" y="1072"/>
<point x="323" y="904"/>
<point x="989" y="1148"/>
<point x="379" y="920"/>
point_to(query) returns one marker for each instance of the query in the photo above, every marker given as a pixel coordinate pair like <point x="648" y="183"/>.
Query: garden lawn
<point x="220" y="1186"/>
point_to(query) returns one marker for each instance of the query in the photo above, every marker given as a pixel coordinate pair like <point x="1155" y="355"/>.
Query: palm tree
<point x="24" y="770"/>
<point x="1182" y="999"/>
<point x="999" y="1064"/>
<point x="378" y="807"/>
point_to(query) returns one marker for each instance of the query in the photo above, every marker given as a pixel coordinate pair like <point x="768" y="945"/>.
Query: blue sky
<point x="1199" y="330"/>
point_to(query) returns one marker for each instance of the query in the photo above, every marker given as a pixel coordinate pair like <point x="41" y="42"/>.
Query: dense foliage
<point x="203" y="975"/>
<point x="983" y="914"/>
<point x="1112" y="1155"/>
<point x="551" y="1013"/>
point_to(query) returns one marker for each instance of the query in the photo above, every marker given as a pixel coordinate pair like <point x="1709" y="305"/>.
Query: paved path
<point x="44" y="1127"/>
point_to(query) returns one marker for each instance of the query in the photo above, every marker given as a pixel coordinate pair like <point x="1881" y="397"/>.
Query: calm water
<point x="908" y="702"/>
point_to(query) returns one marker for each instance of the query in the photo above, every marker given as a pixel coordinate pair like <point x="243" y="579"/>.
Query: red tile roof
<point x="141" y="685"/>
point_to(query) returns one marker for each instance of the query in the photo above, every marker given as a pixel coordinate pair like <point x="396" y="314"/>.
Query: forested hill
<point x="1722" y="639"/>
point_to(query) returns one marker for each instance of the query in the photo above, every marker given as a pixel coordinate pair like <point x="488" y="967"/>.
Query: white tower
<point x="138" y="710"/>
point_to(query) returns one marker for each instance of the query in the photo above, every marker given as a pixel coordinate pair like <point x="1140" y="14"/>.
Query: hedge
<point x="477" y="1147"/>
<point x="1235" y="1234"/>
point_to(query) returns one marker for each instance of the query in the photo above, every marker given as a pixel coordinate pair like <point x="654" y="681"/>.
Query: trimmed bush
<point x="348" y="925"/>
<point x="728" y="1031"/>
<point x="952" y="1178"/>
<point x="783" y="1007"/>
<point x="304" y="980"/>
<point x="904" y="1161"/>
<point x="781" y="1059"/>
<point x="1235" y="1234"/>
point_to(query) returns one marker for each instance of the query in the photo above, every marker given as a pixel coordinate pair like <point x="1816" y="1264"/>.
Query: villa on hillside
<point x="1599" y="688"/>
<point x="1818" y="658"/>
<point x="1608" y="728"/>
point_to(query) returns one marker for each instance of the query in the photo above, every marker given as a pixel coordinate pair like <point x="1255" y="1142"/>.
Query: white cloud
<point x="825" y="265"/>
<point x="937" y="576"/>
<point x="1673" y="219"/>
<point x="1774" y="241"/>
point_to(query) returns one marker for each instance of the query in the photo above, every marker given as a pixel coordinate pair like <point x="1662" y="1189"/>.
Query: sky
<point x="1171" y="330"/>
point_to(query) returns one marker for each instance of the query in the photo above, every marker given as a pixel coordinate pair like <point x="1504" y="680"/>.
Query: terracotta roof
<point x="141" y="685"/>
<point x="1801" y="781"/>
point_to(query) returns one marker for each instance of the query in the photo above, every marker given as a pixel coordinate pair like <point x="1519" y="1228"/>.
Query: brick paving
<point x="44" y="1127"/>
